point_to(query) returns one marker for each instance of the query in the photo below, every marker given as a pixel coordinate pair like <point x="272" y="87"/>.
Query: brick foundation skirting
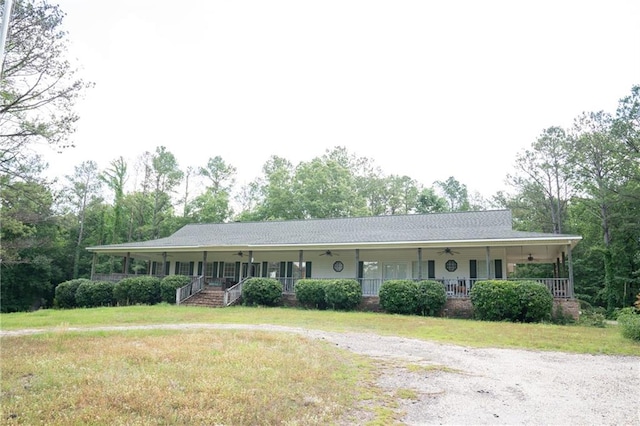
<point x="453" y="308"/>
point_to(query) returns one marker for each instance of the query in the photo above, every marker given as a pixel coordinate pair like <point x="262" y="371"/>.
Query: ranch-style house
<point x="456" y="249"/>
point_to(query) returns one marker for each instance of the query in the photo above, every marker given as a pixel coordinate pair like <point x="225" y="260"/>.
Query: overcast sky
<point x="426" y="89"/>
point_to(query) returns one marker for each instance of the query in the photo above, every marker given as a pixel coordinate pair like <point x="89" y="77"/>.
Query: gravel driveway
<point x="457" y="385"/>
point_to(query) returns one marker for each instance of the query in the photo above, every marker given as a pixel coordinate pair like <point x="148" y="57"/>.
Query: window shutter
<point x="200" y="268"/>
<point x="431" y="269"/>
<point x="167" y="266"/>
<point x="307" y="270"/>
<point x="360" y="270"/>
<point x="237" y="272"/>
<point x="289" y="269"/>
<point x="283" y="269"/>
<point x="473" y="268"/>
<point x="265" y="266"/>
<point x="498" y="264"/>
<point x="153" y="267"/>
<point x="191" y="265"/>
<point x="177" y="268"/>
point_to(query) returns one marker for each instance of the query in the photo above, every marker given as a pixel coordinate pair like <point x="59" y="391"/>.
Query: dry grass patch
<point x="169" y="377"/>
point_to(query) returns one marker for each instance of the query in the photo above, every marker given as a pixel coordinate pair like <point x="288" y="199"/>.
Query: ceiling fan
<point x="530" y="258"/>
<point x="448" y="251"/>
<point x="239" y="254"/>
<point x="328" y="253"/>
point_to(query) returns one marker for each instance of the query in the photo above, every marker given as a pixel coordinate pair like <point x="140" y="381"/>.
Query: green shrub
<point x="431" y="297"/>
<point x="261" y="291"/>
<point x="343" y="294"/>
<point x="65" y="293"/>
<point x="536" y="301"/>
<point x="495" y="300"/>
<point x="399" y="296"/>
<point x="629" y="324"/>
<point x="92" y="294"/>
<point x="141" y="290"/>
<point x="593" y="317"/>
<point x="170" y="284"/>
<point x="311" y="293"/>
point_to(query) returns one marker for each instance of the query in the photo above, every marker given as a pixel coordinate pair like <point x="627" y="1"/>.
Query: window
<point x="428" y="269"/>
<point x="395" y="271"/>
<point x="183" y="268"/>
<point x="451" y="265"/>
<point x="229" y="270"/>
<point x="370" y="270"/>
<point x="273" y="269"/>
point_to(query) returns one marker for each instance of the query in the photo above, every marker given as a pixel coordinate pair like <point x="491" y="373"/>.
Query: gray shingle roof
<point x="460" y="226"/>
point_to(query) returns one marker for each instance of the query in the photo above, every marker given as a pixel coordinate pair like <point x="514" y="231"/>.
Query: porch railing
<point x="195" y="286"/>
<point x="233" y="293"/>
<point x="114" y="278"/>
<point x="560" y="288"/>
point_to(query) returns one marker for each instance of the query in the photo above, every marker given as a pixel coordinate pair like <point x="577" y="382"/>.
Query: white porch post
<point x="204" y="266"/>
<point x="570" y="262"/>
<point x="164" y="263"/>
<point x="420" y="263"/>
<point x="300" y="260"/>
<point x="93" y="264"/>
<point x="250" y="264"/>
<point x="488" y="263"/>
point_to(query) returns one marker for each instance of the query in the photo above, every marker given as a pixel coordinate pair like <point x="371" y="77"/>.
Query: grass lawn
<point x="237" y="377"/>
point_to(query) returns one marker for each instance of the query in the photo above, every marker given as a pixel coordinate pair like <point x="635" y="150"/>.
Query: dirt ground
<point x="456" y="385"/>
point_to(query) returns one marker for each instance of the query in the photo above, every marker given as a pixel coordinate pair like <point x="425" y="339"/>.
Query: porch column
<point x="204" y="266"/>
<point x="250" y="264"/>
<point x="358" y="265"/>
<point x="570" y="262"/>
<point x="126" y="263"/>
<point x="300" y="261"/>
<point x="164" y="263"/>
<point x="420" y="263"/>
<point x="488" y="263"/>
<point x="93" y="264"/>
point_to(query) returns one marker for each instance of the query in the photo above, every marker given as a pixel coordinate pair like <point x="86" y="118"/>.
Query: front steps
<point x="210" y="297"/>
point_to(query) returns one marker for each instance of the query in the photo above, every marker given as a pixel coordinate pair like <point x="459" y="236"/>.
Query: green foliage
<point x="343" y="294"/>
<point x="399" y="297"/>
<point x="495" y="300"/>
<point x="629" y="323"/>
<point x="170" y="284"/>
<point x="262" y="292"/>
<point x="144" y="290"/>
<point x="593" y="317"/>
<point x="311" y="293"/>
<point x="536" y="301"/>
<point x="431" y="297"/>
<point x="91" y="294"/>
<point x="65" y="297"/>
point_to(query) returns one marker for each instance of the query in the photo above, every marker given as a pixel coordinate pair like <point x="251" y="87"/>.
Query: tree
<point x="84" y="188"/>
<point x="543" y="171"/>
<point x="455" y="193"/>
<point x="38" y="86"/>
<point x="115" y="177"/>
<point x="430" y="202"/>
<point x="165" y="176"/>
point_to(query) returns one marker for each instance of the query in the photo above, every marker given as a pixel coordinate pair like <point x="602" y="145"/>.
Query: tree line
<point x="580" y="180"/>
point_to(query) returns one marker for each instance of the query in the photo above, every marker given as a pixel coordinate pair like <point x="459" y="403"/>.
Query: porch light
<point x="530" y="258"/>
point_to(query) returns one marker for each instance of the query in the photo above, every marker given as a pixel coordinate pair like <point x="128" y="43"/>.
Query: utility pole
<point x="6" y="17"/>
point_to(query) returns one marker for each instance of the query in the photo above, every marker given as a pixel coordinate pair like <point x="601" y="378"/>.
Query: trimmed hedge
<point x="91" y="294"/>
<point x="65" y="293"/>
<point x="170" y="284"/>
<point x="143" y="290"/>
<point x="261" y="291"/>
<point x="536" y="302"/>
<point x="343" y="294"/>
<point x="629" y="321"/>
<point x="431" y="297"/>
<point x="399" y="297"/>
<point x="311" y="293"/>
<point x="498" y="300"/>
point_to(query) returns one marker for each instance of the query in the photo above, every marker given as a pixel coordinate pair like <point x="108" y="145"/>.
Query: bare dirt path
<point x="457" y="385"/>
